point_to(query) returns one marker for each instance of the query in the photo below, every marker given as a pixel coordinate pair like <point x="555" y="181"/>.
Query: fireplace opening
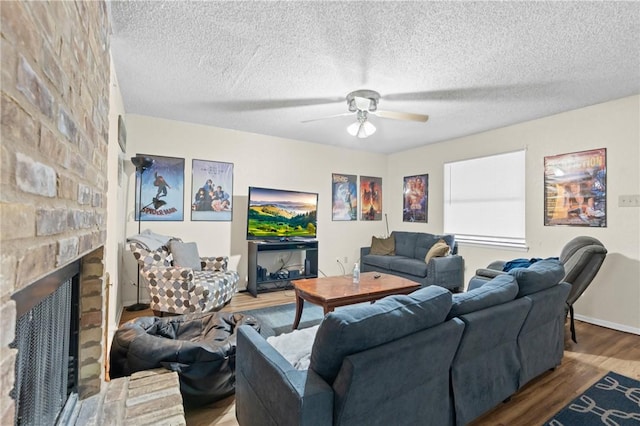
<point x="47" y="339"/>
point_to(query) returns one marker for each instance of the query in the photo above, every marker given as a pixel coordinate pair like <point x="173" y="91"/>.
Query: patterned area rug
<point x="613" y="401"/>
<point x="276" y="320"/>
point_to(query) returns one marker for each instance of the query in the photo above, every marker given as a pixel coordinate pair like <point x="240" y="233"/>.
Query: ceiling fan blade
<point x="467" y="93"/>
<point x="261" y="104"/>
<point x="328" y="116"/>
<point x="408" y="116"/>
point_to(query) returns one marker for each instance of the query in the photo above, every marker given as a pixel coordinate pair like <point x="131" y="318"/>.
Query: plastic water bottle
<point x="356" y="273"/>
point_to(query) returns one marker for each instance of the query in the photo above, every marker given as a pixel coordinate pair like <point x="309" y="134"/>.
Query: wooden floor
<point x="598" y="351"/>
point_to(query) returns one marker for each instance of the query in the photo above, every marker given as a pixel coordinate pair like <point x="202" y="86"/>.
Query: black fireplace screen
<point x="46" y="370"/>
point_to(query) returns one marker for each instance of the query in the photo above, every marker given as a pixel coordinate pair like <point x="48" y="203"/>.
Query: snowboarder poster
<point x="162" y="189"/>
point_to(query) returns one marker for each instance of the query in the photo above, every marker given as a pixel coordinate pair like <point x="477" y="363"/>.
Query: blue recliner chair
<point x="581" y="257"/>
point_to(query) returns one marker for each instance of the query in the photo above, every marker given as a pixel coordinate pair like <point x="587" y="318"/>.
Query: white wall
<point x="613" y="299"/>
<point x="258" y="161"/>
<point x="116" y="207"/>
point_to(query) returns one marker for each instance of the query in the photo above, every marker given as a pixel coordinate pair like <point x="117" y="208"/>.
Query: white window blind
<point x="484" y="199"/>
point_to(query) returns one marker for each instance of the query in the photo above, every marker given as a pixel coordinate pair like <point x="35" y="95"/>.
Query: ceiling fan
<point x="365" y="102"/>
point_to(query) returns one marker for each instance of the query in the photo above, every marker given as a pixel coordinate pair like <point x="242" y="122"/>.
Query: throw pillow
<point x="383" y="246"/>
<point x="185" y="255"/>
<point x="439" y="249"/>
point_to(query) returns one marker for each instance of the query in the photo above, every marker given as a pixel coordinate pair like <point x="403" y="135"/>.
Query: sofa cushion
<point x="409" y="266"/>
<point x="537" y="277"/>
<point x="424" y="242"/>
<point x="383" y="246"/>
<point x="378" y="261"/>
<point x="439" y="249"/>
<point x="185" y="255"/>
<point x="501" y="289"/>
<point x="406" y="243"/>
<point x="356" y="328"/>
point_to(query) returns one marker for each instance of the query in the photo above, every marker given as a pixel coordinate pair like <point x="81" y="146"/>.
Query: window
<point x="484" y="200"/>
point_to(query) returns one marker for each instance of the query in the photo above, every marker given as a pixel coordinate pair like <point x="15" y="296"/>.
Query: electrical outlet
<point x="629" y="200"/>
<point x="345" y="259"/>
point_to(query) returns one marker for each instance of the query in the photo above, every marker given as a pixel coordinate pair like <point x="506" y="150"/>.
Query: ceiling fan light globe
<point x="367" y="129"/>
<point x="353" y="128"/>
<point x="361" y="129"/>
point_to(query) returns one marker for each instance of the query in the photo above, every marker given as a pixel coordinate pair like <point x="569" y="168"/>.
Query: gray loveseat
<point x="428" y="358"/>
<point x="408" y="260"/>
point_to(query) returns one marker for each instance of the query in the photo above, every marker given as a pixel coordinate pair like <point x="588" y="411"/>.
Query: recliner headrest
<point x="576" y="244"/>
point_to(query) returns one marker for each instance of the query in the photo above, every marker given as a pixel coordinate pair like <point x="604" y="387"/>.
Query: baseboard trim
<point x="608" y="324"/>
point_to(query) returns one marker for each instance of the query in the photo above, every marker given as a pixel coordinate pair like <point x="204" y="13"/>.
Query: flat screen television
<point x="278" y="214"/>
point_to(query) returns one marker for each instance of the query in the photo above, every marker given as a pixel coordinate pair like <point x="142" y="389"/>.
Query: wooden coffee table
<point x="331" y="292"/>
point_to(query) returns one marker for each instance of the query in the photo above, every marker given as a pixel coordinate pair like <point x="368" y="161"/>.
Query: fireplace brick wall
<point x="54" y="107"/>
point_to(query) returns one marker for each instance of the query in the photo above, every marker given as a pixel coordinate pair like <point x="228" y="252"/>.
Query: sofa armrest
<point x="497" y="264"/>
<point x="488" y="273"/>
<point x="363" y="252"/>
<point x="270" y="391"/>
<point x="483" y="275"/>
<point x="214" y="263"/>
<point x="492" y="270"/>
<point x="447" y="272"/>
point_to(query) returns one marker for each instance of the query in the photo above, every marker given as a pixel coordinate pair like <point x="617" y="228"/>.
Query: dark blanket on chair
<point x="523" y="263"/>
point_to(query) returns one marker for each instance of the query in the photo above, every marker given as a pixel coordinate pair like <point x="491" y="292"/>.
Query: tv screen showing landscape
<point x="278" y="214"/>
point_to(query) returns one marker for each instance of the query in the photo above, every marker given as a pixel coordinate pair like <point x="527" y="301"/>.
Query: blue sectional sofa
<point x="428" y="358"/>
<point x="408" y="260"/>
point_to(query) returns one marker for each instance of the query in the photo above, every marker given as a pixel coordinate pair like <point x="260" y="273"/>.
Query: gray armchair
<point x="581" y="257"/>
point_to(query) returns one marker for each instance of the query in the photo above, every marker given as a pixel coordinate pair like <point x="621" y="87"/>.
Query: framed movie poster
<point x="162" y="190"/>
<point x="344" y="196"/>
<point x="211" y="191"/>
<point x="415" y="200"/>
<point x="575" y="189"/>
<point x="370" y="198"/>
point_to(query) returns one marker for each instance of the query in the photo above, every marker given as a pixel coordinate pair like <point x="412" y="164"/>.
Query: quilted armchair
<point x="183" y="289"/>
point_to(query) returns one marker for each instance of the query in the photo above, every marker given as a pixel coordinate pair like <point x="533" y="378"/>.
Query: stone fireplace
<point x="53" y="171"/>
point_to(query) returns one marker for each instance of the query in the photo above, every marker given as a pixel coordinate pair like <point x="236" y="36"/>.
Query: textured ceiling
<point x="264" y="67"/>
